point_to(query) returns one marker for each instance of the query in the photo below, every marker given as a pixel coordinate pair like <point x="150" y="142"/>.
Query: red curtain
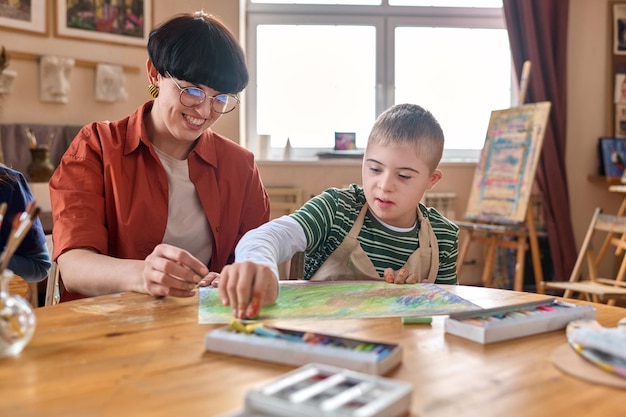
<point x="538" y="33"/>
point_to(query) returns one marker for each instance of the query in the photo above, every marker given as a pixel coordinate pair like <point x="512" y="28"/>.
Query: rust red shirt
<point x="110" y="191"/>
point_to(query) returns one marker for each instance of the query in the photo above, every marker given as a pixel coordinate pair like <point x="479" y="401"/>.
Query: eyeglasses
<point x="194" y="96"/>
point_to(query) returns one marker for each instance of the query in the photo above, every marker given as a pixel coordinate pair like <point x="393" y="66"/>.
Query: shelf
<point x="598" y="179"/>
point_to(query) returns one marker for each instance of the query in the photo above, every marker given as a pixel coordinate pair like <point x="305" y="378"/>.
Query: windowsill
<point x="309" y="161"/>
<point x="346" y="161"/>
<point x="308" y="156"/>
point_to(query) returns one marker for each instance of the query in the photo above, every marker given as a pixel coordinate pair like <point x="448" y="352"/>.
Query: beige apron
<point x="350" y="262"/>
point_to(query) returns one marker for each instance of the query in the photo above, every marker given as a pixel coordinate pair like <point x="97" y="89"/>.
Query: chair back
<point x="614" y="228"/>
<point x="591" y="286"/>
<point x="52" y="286"/>
<point x="18" y="286"/>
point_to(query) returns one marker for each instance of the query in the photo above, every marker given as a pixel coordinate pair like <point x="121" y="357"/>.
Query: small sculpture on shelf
<point x="54" y="78"/>
<point x="40" y="168"/>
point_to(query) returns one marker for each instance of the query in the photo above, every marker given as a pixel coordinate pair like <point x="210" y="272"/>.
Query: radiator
<point x="443" y="202"/>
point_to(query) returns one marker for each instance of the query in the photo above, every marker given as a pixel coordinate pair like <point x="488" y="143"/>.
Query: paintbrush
<point x="32" y="139"/>
<point x="3" y="211"/>
<point x="51" y="139"/>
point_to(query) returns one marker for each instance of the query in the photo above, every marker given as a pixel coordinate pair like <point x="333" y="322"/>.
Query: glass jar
<point x="17" y="319"/>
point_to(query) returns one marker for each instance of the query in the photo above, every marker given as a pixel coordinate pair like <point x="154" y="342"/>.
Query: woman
<point x="153" y="202"/>
<point x="31" y="259"/>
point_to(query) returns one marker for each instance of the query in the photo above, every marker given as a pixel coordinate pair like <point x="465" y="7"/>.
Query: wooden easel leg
<point x="534" y="250"/>
<point x="518" y="283"/>
<point x="489" y="260"/>
<point x="460" y="260"/>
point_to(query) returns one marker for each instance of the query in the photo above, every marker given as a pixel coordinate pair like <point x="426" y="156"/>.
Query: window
<point x="323" y="66"/>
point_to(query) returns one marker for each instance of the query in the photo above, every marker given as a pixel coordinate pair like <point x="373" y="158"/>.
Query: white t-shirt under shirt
<point x="187" y="225"/>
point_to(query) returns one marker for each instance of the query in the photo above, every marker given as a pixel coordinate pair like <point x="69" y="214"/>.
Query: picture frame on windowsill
<point x="345" y="141"/>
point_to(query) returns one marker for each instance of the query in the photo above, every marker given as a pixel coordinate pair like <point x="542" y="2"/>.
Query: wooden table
<point x="133" y="355"/>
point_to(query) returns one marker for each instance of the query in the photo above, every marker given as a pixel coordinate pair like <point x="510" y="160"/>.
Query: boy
<point x="371" y="232"/>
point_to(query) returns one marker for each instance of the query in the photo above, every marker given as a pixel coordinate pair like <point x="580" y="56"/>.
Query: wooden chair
<point x="595" y="288"/>
<point x="285" y="200"/>
<point x="52" y="286"/>
<point x="18" y="286"/>
<point x="296" y="266"/>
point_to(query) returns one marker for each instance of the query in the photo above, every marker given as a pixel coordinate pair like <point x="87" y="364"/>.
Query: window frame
<point x="385" y="19"/>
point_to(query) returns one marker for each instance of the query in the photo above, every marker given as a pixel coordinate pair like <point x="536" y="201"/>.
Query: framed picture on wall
<point x="104" y="21"/>
<point x="612" y="155"/>
<point x="24" y="16"/>
<point x="620" y="120"/>
<point x="620" y="88"/>
<point x="619" y="28"/>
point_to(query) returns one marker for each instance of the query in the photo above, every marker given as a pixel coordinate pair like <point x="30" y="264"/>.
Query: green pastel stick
<point x="417" y="320"/>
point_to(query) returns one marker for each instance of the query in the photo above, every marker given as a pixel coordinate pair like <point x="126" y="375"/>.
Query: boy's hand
<point x="246" y="287"/>
<point x="212" y="278"/>
<point x="402" y="276"/>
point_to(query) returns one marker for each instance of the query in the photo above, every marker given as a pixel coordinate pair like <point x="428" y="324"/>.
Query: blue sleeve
<point x="31" y="260"/>
<point x="32" y="267"/>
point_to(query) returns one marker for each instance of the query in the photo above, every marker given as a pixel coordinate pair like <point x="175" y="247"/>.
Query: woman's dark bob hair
<point x="200" y="49"/>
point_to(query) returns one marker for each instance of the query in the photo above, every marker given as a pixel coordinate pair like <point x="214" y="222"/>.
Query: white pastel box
<point x="504" y="323"/>
<point x="317" y="390"/>
<point x="339" y="351"/>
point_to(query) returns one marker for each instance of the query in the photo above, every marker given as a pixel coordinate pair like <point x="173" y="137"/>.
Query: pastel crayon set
<point x="318" y="390"/>
<point x="294" y="347"/>
<point x="503" y="323"/>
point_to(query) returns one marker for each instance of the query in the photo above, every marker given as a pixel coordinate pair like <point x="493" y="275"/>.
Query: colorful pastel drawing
<point x="343" y="300"/>
<point x="504" y="177"/>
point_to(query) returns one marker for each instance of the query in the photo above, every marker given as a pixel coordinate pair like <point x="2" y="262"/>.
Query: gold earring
<point x="153" y="90"/>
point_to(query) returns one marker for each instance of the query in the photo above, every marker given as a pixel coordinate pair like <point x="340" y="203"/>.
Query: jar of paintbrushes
<point x="40" y="168"/>
<point x="17" y="318"/>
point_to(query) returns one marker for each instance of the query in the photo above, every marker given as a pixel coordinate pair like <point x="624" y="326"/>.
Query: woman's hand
<point x="169" y="270"/>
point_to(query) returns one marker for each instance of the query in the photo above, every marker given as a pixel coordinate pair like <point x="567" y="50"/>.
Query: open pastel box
<point x="318" y="390"/>
<point x="294" y="347"/>
<point x="503" y="323"/>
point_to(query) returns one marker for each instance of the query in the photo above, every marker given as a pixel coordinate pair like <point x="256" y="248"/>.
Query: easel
<point x="499" y="212"/>
<point x="512" y="236"/>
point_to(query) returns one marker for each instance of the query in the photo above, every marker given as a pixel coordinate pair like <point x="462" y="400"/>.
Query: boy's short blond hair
<point x="410" y="124"/>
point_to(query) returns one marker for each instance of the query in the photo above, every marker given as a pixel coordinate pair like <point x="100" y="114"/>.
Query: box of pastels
<point x="316" y="390"/>
<point x="293" y="347"/>
<point x="497" y="324"/>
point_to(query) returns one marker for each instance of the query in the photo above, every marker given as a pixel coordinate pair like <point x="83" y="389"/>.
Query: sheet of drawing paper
<point x="343" y="300"/>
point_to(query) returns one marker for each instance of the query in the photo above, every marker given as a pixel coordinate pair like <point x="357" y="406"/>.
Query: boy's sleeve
<point x="317" y="216"/>
<point x="272" y="243"/>
<point x="448" y="253"/>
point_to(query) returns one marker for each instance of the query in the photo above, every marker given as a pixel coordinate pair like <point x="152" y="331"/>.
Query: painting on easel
<point x="505" y="173"/>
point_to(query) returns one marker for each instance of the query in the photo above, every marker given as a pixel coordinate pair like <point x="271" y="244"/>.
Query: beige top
<point x="350" y="262"/>
<point x="187" y="225"/>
